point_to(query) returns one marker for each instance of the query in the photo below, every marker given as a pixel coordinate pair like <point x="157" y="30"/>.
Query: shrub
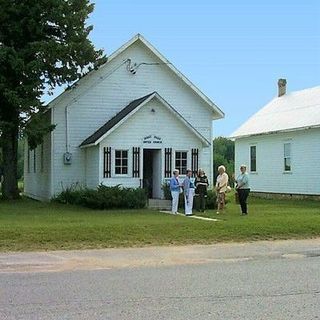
<point x="166" y="190"/>
<point x="104" y="197"/>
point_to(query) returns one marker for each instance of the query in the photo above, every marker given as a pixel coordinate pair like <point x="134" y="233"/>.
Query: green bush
<point x="166" y="190"/>
<point x="104" y="197"/>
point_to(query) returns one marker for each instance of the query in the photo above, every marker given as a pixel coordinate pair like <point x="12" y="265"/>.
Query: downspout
<point x="67" y="127"/>
<point x="52" y="156"/>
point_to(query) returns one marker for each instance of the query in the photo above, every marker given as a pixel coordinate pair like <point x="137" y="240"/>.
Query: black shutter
<point x="194" y="161"/>
<point x="135" y="162"/>
<point x="107" y="162"/>
<point x="167" y="162"/>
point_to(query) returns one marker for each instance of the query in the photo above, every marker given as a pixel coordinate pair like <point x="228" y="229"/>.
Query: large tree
<point x="43" y="44"/>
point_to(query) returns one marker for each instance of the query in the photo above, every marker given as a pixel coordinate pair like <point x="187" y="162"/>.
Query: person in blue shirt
<point x="188" y="189"/>
<point x="175" y="190"/>
<point x="243" y="189"/>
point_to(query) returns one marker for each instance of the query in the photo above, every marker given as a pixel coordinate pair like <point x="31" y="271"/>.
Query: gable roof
<point x="218" y="113"/>
<point x="294" y="111"/>
<point x="127" y="112"/>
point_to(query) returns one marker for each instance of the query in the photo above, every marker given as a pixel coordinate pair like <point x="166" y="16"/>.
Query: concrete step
<point x="159" y="204"/>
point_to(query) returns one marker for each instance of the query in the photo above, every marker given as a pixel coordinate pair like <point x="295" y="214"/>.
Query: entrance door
<point x="152" y="172"/>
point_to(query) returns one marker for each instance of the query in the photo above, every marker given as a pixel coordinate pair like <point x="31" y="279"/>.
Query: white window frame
<point x="121" y="160"/>
<point x="287" y="156"/>
<point x="179" y="167"/>
<point x="250" y="158"/>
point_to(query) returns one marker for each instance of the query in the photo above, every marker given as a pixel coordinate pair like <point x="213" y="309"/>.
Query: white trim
<point x="218" y="112"/>
<point x="167" y="105"/>
<point x="256" y="162"/>
<point x="274" y="132"/>
<point x="113" y="163"/>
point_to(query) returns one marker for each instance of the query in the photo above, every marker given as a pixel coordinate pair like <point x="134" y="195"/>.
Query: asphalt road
<point x="263" y="280"/>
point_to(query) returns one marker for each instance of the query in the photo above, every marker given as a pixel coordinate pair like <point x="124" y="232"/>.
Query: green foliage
<point x="20" y="159"/>
<point x="43" y="44"/>
<point x="104" y="197"/>
<point x="27" y="225"/>
<point x="166" y="190"/>
<point x="223" y="154"/>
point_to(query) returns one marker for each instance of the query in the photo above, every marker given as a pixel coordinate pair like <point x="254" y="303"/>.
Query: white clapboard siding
<point x="270" y="176"/>
<point x="173" y="134"/>
<point x="104" y="93"/>
<point x="92" y="167"/>
<point x="37" y="174"/>
<point x="98" y="97"/>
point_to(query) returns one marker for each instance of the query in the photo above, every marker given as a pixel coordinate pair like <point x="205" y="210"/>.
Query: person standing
<point x="201" y="184"/>
<point x="188" y="189"/>
<point x="243" y="189"/>
<point x="175" y="191"/>
<point x="221" y="188"/>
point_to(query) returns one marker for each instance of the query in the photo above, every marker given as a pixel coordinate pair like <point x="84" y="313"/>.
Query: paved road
<point x="263" y="280"/>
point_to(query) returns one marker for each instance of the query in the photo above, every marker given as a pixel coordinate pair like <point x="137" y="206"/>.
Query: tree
<point x="223" y="154"/>
<point x="43" y="44"/>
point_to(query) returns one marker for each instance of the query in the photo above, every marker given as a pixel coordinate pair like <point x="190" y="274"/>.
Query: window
<point x="121" y="162"/>
<point x="253" y="158"/>
<point x="287" y="156"/>
<point x="181" y="161"/>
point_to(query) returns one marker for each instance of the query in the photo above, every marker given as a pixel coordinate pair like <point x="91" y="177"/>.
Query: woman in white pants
<point x="175" y="190"/>
<point x="188" y="189"/>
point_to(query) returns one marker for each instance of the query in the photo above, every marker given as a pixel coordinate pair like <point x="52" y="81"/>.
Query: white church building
<point x="130" y="123"/>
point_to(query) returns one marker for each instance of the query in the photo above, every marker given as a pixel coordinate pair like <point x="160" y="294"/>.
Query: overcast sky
<point x="233" y="50"/>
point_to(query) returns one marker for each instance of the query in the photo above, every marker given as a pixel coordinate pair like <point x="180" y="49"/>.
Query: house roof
<point x="294" y="111"/>
<point x="129" y="110"/>
<point x="218" y="113"/>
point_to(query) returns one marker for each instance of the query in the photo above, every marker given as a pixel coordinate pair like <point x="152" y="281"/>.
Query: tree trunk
<point x="10" y="162"/>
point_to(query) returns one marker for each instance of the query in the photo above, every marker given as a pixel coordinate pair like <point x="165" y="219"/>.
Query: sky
<point x="234" y="51"/>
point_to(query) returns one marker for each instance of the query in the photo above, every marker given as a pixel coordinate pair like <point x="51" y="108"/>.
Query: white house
<point x="281" y="144"/>
<point x="131" y="122"/>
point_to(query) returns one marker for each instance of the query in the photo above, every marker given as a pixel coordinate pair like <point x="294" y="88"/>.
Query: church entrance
<point x="152" y="172"/>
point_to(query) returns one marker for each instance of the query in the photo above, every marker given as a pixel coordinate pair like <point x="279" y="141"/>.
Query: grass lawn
<point x="28" y="225"/>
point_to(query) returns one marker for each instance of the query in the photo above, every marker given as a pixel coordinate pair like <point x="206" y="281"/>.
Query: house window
<point x="253" y="158"/>
<point x="121" y="162"/>
<point x="287" y="156"/>
<point x="181" y="161"/>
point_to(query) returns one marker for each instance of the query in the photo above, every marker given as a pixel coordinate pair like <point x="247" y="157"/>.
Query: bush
<point x="166" y="190"/>
<point x="104" y="197"/>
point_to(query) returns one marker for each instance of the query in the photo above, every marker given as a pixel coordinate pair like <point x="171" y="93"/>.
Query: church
<point x="129" y="123"/>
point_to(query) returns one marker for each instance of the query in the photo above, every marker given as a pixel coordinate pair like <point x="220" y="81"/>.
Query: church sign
<point x="152" y="139"/>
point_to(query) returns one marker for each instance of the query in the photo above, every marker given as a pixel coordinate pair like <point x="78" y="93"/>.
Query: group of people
<point x="189" y="187"/>
<point x="198" y="186"/>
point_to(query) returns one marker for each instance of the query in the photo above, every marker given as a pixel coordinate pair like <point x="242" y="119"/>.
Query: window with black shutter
<point x="181" y="161"/>
<point x="135" y="162"/>
<point x="167" y="162"/>
<point x="121" y="162"/>
<point x="107" y="162"/>
<point x="194" y="161"/>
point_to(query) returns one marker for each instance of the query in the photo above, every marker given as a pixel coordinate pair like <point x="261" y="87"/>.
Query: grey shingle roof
<point x="113" y="121"/>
